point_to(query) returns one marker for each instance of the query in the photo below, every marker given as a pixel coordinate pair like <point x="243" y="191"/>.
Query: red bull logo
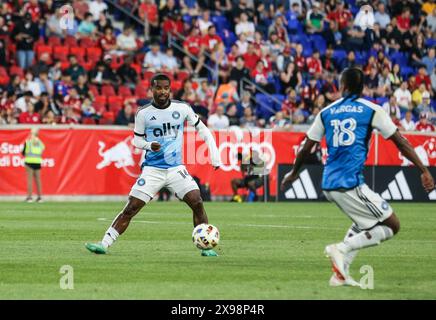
<point x="123" y="155"/>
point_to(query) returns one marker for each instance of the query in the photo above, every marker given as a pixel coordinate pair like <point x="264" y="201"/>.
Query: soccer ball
<point x="205" y="236"/>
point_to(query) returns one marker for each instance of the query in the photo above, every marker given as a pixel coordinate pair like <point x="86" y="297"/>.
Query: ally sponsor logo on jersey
<point x="167" y="130"/>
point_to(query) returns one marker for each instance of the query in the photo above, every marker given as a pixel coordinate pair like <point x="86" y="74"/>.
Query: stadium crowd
<point x="56" y="69"/>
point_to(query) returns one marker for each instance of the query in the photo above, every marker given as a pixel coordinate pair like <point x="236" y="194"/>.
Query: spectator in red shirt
<point x="423" y="124"/>
<point x="211" y="39"/>
<point x="299" y="60"/>
<point x="7" y="102"/>
<point x="266" y="59"/>
<point x="232" y="55"/>
<point x="260" y="77"/>
<point x="173" y="25"/>
<point x="403" y="20"/>
<point x="251" y="57"/>
<point x="278" y="28"/>
<point x="72" y="100"/>
<point x="30" y="116"/>
<point x="310" y="93"/>
<point x="314" y="65"/>
<point x="50" y="118"/>
<point x="328" y="63"/>
<point x="108" y="42"/>
<point x="290" y="104"/>
<point x="148" y="13"/>
<point x="69" y="117"/>
<point x="340" y="15"/>
<point x="330" y="89"/>
<point x="34" y="9"/>
<point x="422" y="77"/>
<point x="80" y="8"/>
<point x="193" y="44"/>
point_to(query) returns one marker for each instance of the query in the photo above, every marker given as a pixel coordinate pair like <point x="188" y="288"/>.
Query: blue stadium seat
<point x="318" y="43"/>
<point x="430" y="42"/>
<point x="361" y="57"/>
<point x="265" y="106"/>
<point x="187" y="19"/>
<point x="278" y="105"/>
<point x="277" y="83"/>
<point x="307" y="51"/>
<point x="229" y="38"/>
<point x="406" y="71"/>
<point x="295" y="26"/>
<point x="220" y="23"/>
<point x="339" y="55"/>
<point x="399" y="58"/>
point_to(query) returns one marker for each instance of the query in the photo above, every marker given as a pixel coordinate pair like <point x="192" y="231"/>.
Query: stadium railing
<point x="124" y="11"/>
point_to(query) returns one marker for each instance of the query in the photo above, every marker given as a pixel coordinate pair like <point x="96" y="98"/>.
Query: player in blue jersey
<point x="347" y="125"/>
<point x="159" y="130"/>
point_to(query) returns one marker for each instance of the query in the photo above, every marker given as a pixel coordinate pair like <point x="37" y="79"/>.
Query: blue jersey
<point x="166" y="127"/>
<point x="347" y="125"/>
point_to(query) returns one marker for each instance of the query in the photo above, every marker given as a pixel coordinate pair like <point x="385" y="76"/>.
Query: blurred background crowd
<point x="247" y="63"/>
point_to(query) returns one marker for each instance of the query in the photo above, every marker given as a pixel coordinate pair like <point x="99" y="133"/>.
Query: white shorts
<point x="152" y="180"/>
<point x="365" y="207"/>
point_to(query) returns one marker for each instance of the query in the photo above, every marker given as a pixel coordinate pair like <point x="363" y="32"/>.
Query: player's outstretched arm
<point x="207" y="136"/>
<point x="407" y="150"/>
<point x="299" y="161"/>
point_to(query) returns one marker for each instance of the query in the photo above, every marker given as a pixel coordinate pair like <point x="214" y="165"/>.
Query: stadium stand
<point x="394" y="44"/>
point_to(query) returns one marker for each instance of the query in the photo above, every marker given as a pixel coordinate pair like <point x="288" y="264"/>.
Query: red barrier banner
<point x="104" y="162"/>
<point x="425" y="147"/>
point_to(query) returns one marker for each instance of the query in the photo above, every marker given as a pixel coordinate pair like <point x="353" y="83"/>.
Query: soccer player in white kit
<point x="159" y="130"/>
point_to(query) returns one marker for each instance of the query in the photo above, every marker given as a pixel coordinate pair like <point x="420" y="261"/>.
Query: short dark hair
<point x="353" y="80"/>
<point x="159" y="76"/>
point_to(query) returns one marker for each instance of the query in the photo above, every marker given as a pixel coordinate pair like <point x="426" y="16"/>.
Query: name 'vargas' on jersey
<point x="166" y="127"/>
<point x="347" y="125"/>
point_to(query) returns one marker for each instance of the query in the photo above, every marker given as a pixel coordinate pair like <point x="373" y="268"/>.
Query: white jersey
<point x="166" y="127"/>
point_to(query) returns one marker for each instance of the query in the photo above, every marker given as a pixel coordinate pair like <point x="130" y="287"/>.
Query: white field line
<point x="236" y="225"/>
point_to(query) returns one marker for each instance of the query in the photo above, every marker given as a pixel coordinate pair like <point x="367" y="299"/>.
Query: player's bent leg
<point x="374" y="216"/>
<point x="186" y="189"/>
<point x="392" y="222"/>
<point x="133" y="206"/>
<point x="194" y="201"/>
<point x="118" y="226"/>
<point x="368" y="210"/>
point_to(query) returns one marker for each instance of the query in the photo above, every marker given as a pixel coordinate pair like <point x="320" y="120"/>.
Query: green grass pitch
<point x="267" y="251"/>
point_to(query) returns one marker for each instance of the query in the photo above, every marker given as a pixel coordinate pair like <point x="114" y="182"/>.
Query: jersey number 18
<point x="343" y="132"/>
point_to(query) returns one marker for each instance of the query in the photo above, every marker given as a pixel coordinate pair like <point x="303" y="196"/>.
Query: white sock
<point x="366" y="239"/>
<point x="349" y="257"/>
<point x="110" y="237"/>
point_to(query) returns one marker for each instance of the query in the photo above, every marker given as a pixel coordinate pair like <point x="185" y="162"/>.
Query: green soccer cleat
<point x="209" y="253"/>
<point x="96" y="248"/>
